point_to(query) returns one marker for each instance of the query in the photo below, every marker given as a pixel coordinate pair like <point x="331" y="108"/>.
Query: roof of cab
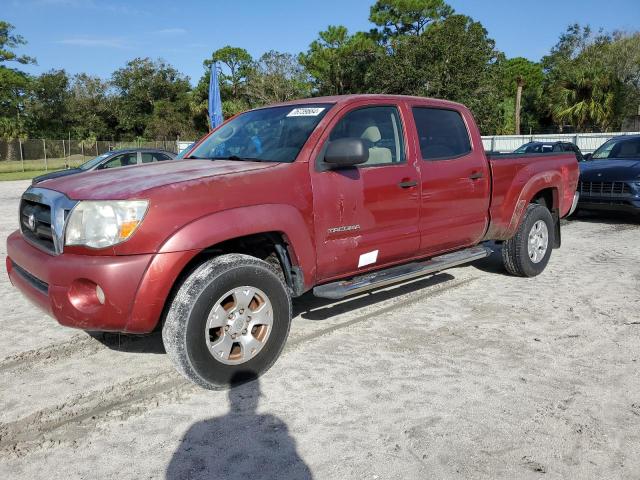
<point x="343" y="99"/>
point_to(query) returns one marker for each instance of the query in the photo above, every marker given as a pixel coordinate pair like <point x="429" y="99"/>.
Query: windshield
<point x="275" y="134"/>
<point x="619" y="148"/>
<point x="523" y="148"/>
<point x="184" y="151"/>
<point x="93" y="162"/>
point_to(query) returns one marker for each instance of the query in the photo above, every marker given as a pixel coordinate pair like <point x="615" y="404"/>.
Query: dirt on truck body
<point x="338" y="195"/>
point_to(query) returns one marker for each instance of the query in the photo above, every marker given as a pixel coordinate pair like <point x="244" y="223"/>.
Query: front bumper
<point x="135" y="287"/>
<point x="625" y="197"/>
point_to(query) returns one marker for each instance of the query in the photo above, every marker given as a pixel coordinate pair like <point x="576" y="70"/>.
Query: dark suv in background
<point x="610" y="177"/>
<point x="550" y="147"/>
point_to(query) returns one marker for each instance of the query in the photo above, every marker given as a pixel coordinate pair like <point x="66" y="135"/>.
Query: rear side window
<point x="148" y="157"/>
<point x="442" y="133"/>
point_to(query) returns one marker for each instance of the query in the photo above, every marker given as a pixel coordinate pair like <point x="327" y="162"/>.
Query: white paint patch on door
<point x="368" y="258"/>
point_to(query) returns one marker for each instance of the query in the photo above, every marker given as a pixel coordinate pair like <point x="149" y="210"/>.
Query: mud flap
<point x="557" y="238"/>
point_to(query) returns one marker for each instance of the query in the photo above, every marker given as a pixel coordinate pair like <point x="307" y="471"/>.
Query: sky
<point x="100" y="36"/>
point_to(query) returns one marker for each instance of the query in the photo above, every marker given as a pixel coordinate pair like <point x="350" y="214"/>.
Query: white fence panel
<point x="587" y="142"/>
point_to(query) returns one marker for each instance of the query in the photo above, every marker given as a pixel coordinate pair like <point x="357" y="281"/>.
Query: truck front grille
<point x="35" y="222"/>
<point x="42" y="217"/>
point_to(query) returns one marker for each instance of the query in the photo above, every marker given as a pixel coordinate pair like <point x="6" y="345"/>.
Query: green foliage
<point x="144" y="85"/>
<point x="48" y="105"/>
<point x="90" y="111"/>
<point x="14" y="84"/>
<point x="589" y="80"/>
<point x="238" y="65"/>
<point x="338" y="62"/>
<point x="438" y="64"/>
<point x="277" y="77"/>
<point x="582" y="84"/>
<point x="401" y="17"/>
<point x="8" y="42"/>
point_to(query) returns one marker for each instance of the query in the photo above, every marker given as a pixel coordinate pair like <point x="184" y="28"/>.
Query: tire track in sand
<point x="75" y="418"/>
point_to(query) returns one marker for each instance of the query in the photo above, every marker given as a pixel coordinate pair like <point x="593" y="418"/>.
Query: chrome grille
<point x="603" y="188"/>
<point x="42" y="217"/>
<point x="35" y="222"/>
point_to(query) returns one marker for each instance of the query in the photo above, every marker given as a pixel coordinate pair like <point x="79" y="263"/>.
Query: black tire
<point x="183" y="332"/>
<point x="515" y="254"/>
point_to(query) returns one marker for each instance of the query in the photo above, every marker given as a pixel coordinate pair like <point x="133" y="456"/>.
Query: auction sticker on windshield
<point x="306" y="112"/>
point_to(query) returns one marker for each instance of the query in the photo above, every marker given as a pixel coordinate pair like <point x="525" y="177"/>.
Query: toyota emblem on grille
<point x="31" y="222"/>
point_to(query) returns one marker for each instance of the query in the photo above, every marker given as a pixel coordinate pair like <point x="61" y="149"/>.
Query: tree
<point x="91" y="112"/>
<point x="453" y="59"/>
<point x="48" y="104"/>
<point x="238" y="62"/>
<point x="14" y="87"/>
<point x="277" y="77"/>
<point x="140" y="86"/>
<point x="585" y="97"/>
<point x="338" y="62"/>
<point x="400" y="17"/>
<point x="581" y="86"/>
<point x="8" y="42"/>
<point x="531" y="76"/>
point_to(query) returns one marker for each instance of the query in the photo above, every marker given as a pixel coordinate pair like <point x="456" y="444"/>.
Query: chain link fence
<point x="44" y="154"/>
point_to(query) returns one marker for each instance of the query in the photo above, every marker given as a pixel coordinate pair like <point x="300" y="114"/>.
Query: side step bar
<point x="400" y="273"/>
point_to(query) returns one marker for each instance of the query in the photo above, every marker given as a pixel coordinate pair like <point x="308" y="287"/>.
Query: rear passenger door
<point x="455" y="180"/>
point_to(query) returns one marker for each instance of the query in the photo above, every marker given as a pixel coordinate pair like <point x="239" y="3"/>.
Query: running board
<point x="389" y="276"/>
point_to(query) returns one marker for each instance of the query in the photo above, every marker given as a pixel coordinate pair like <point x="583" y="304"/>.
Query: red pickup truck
<point x="335" y="194"/>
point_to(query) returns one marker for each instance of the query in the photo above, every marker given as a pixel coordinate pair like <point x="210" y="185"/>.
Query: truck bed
<point x="515" y="178"/>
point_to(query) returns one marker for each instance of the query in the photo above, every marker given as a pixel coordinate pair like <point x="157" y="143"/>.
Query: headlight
<point x="99" y="224"/>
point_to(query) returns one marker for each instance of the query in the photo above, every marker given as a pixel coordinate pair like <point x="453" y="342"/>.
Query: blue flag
<point x="215" y="104"/>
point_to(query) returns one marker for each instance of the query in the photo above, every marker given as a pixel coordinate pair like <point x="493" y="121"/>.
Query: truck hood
<point x="130" y="182"/>
<point x="610" y="170"/>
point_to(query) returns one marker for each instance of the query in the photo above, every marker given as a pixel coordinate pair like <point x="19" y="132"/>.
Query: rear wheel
<point x="527" y="253"/>
<point x="229" y="321"/>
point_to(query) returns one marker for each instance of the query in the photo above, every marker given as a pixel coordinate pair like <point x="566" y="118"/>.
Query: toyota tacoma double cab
<point x="337" y="195"/>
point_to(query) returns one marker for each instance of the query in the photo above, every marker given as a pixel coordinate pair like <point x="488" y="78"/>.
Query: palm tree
<point x="585" y="98"/>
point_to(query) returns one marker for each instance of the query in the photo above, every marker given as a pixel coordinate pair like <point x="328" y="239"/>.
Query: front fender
<point x="239" y="222"/>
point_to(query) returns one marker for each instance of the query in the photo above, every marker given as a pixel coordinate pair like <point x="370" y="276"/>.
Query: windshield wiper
<point x="236" y="157"/>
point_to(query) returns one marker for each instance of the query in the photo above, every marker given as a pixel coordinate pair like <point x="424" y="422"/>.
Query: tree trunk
<point x="12" y="151"/>
<point x="520" y="84"/>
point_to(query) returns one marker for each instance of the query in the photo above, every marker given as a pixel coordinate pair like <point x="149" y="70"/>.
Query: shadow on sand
<point x="243" y="444"/>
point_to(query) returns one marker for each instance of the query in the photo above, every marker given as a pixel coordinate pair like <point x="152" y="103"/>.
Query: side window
<point x="121" y="161"/>
<point x="148" y="157"/>
<point x="442" y="133"/>
<point x="381" y="130"/>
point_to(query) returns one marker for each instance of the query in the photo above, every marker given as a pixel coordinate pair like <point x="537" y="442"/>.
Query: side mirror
<point x="346" y="152"/>
<point x="587" y="157"/>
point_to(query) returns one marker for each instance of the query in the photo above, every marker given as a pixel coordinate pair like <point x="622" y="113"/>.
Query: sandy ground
<point x="467" y="374"/>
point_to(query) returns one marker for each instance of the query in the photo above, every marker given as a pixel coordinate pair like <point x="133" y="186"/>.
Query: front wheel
<point x="229" y="320"/>
<point x="527" y="253"/>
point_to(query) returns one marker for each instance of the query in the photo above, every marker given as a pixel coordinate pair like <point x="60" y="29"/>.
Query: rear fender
<point x="531" y="189"/>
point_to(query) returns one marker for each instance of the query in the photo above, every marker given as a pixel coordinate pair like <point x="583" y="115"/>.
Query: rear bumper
<point x="574" y="204"/>
<point x="135" y="287"/>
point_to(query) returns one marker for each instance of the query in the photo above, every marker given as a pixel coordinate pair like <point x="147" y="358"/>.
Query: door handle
<point x="476" y="176"/>
<point x="408" y="184"/>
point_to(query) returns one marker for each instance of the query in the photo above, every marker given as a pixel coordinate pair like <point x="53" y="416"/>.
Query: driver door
<point x="366" y="216"/>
